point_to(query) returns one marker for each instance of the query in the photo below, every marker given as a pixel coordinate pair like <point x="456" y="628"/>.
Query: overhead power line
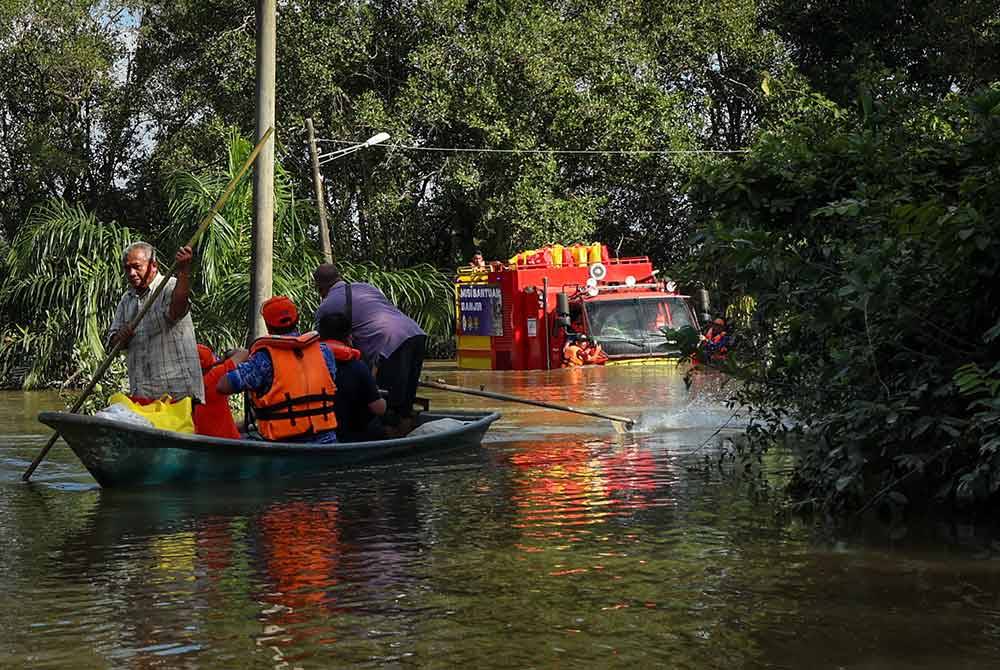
<point x="592" y="152"/>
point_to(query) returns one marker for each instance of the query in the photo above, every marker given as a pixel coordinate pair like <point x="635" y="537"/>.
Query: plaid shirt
<point x="162" y="355"/>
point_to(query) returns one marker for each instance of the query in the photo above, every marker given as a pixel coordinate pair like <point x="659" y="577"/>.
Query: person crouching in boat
<point x="291" y="379"/>
<point x="359" y="405"/>
<point x="213" y="417"/>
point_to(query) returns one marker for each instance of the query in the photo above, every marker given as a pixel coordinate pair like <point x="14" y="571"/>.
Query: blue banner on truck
<point x="480" y="309"/>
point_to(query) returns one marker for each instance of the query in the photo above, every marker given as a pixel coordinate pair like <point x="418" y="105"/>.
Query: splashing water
<point x="689" y="418"/>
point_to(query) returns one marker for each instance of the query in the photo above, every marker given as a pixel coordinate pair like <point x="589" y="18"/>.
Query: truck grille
<point x="616" y="348"/>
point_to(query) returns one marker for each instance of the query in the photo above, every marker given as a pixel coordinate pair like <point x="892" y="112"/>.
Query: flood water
<point x="557" y="544"/>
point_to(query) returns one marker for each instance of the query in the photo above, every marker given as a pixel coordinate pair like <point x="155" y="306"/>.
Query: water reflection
<point x="557" y="544"/>
<point x="582" y="483"/>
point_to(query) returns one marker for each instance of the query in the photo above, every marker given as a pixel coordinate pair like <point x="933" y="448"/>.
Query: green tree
<point x="507" y="76"/>
<point x="869" y="240"/>
<point x="927" y="48"/>
<point x="75" y="114"/>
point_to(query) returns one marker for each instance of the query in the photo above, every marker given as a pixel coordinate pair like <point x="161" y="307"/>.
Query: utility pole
<point x="324" y="231"/>
<point x="263" y="181"/>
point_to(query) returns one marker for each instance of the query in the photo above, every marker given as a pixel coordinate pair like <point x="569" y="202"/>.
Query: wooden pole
<point x="262" y="255"/>
<point x="621" y="423"/>
<point x="103" y="367"/>
<point x="324" y="231"/>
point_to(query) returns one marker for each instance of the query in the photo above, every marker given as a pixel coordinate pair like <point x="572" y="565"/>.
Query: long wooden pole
<point x="622" y="421"/>
<point x="324" y="231"/>
<point x="262" y="254"/>
<point x="103" y="367"/>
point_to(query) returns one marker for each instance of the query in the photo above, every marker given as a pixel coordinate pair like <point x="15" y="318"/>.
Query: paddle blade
<point x="622" y="427"/>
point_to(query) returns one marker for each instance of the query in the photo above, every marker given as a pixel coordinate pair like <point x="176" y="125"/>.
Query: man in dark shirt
<point x="359" y="404"/>
<point x="391" y="343"/>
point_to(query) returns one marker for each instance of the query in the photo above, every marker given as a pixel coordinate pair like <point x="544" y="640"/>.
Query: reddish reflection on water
<point x="632" y="477"/>
<point x="214" y="544"/>
<point x="576" y="484"/>
<point x="301" y="550"/>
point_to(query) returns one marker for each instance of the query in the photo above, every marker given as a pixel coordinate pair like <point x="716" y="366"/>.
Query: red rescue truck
<point x="518" y="315"/>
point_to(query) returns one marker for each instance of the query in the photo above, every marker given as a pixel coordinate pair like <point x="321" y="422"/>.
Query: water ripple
<point x="559" y="543"/>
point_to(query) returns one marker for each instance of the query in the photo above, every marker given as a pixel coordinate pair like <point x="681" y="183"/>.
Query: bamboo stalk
<point x="621" y="423"/>
<point x="219" y="204"/>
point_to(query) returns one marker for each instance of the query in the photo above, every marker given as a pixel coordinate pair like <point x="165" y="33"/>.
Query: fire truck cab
<point x="518" y="315"/>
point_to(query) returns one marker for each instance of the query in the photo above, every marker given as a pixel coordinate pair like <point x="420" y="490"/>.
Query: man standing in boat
<point x="162" y="354"/>
<point x="291" y="379"/>
<point x="392" y="343"/>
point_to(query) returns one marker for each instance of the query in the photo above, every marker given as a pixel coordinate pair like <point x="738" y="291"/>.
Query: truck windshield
<point x="636" y="318"/>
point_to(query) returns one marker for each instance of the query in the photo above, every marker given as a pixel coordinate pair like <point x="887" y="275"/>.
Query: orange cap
<point x="205" y="357"/>
<point x="279" y="312"/>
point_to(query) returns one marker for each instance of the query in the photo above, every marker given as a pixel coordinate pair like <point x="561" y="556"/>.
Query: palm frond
<point x="61" y="288"/>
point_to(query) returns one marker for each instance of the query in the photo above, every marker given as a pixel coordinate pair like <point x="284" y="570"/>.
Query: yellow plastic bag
<point x="164" y="413"/>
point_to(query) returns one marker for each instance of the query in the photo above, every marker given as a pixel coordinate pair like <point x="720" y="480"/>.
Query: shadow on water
<point x="559" y="543"/>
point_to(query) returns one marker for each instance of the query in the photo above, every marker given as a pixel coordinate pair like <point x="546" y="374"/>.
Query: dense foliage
<point x="108" y="98"/>
<point x="871" y="242"/>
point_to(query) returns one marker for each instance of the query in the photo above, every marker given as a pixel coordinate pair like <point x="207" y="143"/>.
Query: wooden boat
<point x="124" y="455"/>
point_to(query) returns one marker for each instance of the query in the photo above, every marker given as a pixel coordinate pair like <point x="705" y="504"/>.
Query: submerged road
<point x="559" y="543"/>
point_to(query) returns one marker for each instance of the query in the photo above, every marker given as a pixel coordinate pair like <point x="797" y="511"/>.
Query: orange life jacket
<point x="300" y="400"/>
<point x="571" y="356"/>
<point x="595" y="355"/>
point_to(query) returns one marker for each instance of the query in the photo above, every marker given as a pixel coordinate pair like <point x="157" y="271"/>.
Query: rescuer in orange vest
<point x="213" y="416"/>
<point x="716" y="341"/>
<point x="573" y="351"/>
<point x="291" y="379"/>
<point x="593" y="354"/>
<point x="580" y="350"/>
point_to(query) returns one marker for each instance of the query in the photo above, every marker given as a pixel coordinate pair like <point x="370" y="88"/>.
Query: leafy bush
<point x="61" y="287"/>
<point x="870" y="242"/>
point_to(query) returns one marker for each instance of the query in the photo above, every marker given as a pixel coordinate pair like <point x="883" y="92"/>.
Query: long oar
<point x="219" y="204"/>
<point x="621" y="424"/>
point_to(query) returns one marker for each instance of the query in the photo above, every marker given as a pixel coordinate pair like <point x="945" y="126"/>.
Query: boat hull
<point x="121" y="455"/>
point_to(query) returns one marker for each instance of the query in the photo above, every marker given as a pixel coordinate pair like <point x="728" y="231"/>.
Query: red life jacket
<point x="300" y="400"/>
<point x="213" y="416"/>
<point x="341" y="351"/>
